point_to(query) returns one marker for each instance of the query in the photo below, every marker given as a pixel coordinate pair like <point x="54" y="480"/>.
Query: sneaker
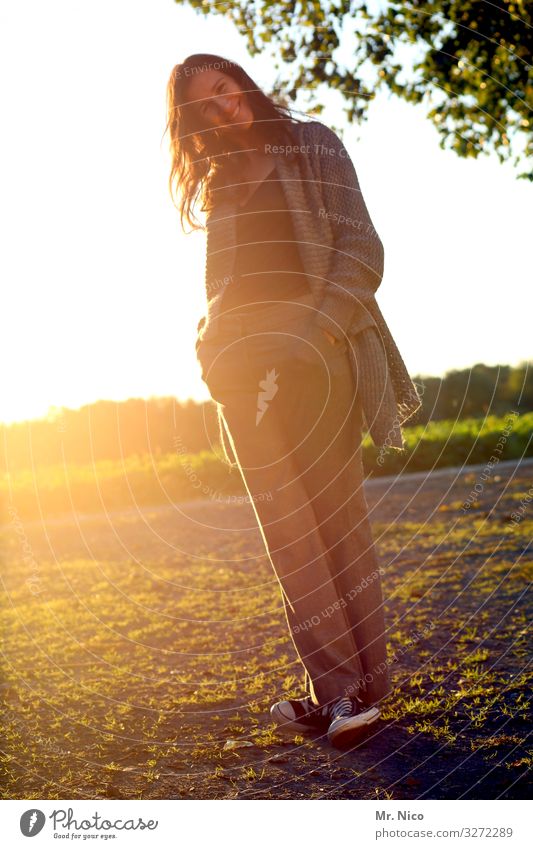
<point x="349" y="719"/>
<point x="300" y="715"/>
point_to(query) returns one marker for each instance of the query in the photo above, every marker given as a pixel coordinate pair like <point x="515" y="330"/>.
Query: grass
<point x="134" y="649"/>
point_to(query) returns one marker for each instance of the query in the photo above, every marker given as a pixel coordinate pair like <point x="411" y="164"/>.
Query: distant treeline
<point x="108" y="430"/>
<point x="474" y="392"/>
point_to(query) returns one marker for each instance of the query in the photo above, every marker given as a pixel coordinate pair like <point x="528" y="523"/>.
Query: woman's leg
<point x="332" y="474"/>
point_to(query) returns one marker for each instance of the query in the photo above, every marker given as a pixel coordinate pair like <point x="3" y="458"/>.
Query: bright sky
<point x="101" y="290"/>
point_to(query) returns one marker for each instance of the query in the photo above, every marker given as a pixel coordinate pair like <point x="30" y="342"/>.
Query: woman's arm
<point x="356" y="267"/>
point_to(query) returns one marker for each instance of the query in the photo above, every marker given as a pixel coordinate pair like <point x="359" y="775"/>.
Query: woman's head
<point x="215" y="113"/>
<point x="219" y="101"/>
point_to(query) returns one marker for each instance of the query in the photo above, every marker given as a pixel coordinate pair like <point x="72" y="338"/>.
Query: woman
<point x="297" y="357"/>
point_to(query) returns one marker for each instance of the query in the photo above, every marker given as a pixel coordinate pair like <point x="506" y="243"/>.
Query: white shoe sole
<point x="343" y="731"/>
<point x="285" y="721"/>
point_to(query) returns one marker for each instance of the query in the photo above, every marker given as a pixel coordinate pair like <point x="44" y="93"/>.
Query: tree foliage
<point x="468" y="60"/>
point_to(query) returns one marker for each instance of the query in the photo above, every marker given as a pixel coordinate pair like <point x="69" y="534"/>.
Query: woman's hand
<point x="331" y="338"/>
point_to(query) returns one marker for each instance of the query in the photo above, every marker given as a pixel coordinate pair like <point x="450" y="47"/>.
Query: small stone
<point x="231" y="745"/>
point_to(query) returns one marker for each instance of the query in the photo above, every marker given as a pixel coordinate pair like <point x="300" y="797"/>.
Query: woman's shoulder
<point x="317" y="132"/>
<point x="327" y="154"/>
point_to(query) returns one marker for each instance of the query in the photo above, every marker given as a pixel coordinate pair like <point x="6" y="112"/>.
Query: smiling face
<point x="219" y="101"/>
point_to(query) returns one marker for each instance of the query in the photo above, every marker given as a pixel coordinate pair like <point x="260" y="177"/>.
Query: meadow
<point x="142" y="648"/>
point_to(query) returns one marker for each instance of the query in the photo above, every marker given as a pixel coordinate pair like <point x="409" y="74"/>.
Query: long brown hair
<point x="201" y="158"/>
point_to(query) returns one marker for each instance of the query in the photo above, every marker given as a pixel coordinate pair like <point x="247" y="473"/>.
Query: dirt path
<point x="140" y="641"/>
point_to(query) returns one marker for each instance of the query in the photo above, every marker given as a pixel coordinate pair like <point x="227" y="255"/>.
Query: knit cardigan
<point x="343" y="258"/>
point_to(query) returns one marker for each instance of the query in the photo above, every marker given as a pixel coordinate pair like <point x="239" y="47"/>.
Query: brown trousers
<point x="294" y="423"/>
